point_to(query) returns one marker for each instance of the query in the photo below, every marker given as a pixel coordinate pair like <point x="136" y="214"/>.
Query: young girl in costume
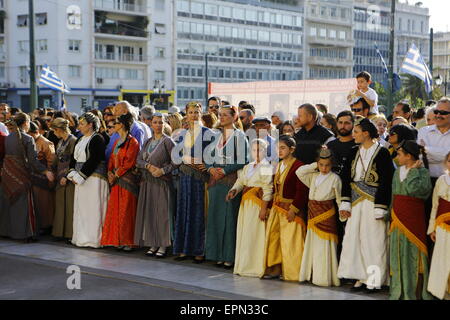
<point x="319" y="262"/>
<point x="439" y="231"/>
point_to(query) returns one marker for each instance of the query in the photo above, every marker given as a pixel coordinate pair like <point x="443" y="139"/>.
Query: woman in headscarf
<point x="118" y="229"/>
<point x="17" y="216"/>
<point x="63" y="220"/>
<point x="154" y="218"/>
<point x="88" y="173"/>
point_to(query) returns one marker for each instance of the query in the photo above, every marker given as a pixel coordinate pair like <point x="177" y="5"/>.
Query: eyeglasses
<point x="108" y="114"/>
<point x="110" y="127"/>
<point x="213" y="107"/>
<point x="357" y="110"/>
<point x="441" y="112"/>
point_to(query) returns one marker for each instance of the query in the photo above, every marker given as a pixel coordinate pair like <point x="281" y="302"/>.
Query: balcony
<point x="331" y="42"/>
<point x="105" y="25"/>
<point x="124" y="7"/>
<point x="120" y="58"/>
<point x="329" y="62"/>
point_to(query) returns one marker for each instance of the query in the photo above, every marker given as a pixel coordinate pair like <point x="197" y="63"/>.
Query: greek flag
<point x="416" y="66"/>
<point x="50" y="79"/>
<point x="385" y="68"/>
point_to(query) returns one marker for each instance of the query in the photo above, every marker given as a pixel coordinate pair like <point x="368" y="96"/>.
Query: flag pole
<point x="391" y="60"/>
<point x="33" y="85"/>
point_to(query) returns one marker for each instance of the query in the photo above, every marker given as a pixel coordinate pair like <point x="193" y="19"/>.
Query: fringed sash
<point x="282" y="205"/>
<point x="361" y="191"/>
<point x="253" y="194"/>
<point x="16" y="179"/>
<point x="321" y="219"/>
<point x="408" y="216"/>
<point x="130" y="182"/>
<point x="443" y="214"/>
<point x="189" y="170"/>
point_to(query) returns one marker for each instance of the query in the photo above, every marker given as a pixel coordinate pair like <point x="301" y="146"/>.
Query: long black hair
<point x="413" y="148"/>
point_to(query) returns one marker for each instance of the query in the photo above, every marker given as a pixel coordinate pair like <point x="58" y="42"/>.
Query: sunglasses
<point x="242" y="118"/>
<point x="441" y="112"/>
<point x="108" y="114"/>
<point x="357" y="110"/>
<point x="110" y="127"/>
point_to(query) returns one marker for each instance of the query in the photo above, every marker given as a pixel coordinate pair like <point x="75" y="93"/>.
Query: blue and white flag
<point x="51" y="80"/>
<point x="385" y="68"/>
<point x="396" y="81"/>
<point x="416" y="66"/>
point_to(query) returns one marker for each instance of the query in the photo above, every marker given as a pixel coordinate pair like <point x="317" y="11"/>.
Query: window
<point x="183" y="5"/>
<point x="160" y="5"/>
<point x="275" y="37"/>
<point x="160" y="52"/>
<point x="333" y="34"/>
<point x="134" y="74"/>
<point x="333" y="12"/>
<point x="2" y="71"/>
<point x="160" y="75"/>
<point x="251" y="15"/>
<point x="239" y="13"/>
<point x="24" y="46"/>
<point x="210" y="10"/>
<point x="74" y="71"/>
<point x="22" y="20"/>
<point x="342" y="35"/>
<point x="323" y="33"/>
<point x="41" y="19"/>
<point x="197" y="8"/>
<point x="323" y="11"/>
<point x="313" y="32"/>
<point x="107" y="73"/>
<point x="23" y="74"/>
<point x="74" y="45"/>
<point x="225" y="12"/>
<point x="41" y="45"/>
<point x="160" y="28"/>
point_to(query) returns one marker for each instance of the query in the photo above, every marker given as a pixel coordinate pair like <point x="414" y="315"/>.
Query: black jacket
<point x="310" y="142"/>
<point x="379" y="175"/>
<point x="95" y="155"/>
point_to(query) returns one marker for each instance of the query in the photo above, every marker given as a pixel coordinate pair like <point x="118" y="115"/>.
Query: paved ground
<point x="38" y="271"/>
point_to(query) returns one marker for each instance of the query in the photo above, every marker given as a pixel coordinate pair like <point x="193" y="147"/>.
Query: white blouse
<point x="261" y="177"/>
<point x="441" y="190"/>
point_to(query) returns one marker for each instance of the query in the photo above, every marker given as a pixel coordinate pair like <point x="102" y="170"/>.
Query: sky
<point x="439" y="10"/>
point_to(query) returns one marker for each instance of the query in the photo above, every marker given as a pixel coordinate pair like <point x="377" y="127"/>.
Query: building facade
<point x="246" y="40"/>
<point x="104" y="50"/>
<point x="441" y="58"/>
<point x="372" y="20"/>
<point x="329" y="39"/>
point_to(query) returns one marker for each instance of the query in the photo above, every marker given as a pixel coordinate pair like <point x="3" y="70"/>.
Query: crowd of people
<point x="325" y="199"/>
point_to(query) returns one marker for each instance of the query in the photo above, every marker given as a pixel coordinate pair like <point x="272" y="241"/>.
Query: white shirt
<point x="365" y="155"/>
<point x="437" y="145"/>
<point x="321" y="178"/>
<point x="372" y="95"/>
<point x="403" y="173"/>
<point x="3" y="128"/>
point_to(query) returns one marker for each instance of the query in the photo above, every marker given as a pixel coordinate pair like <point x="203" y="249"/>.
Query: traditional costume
<point x="63" y="220"/>
<point x="156" y="203"/>
<point x="17" y="216"/>
<point x="439" y="279"/>
<point x="189" y="236"/>
<point x="408" y="237"/>
<point x="319" y="261"/>
<point x="255" y="182"/>
<point x="118" y="228"/>
<point x="43" y="190"/>
<point x="285" y="240"/>
<point x="366" y="193"/>
<point x="88" y="170"/>
<point x="231" y="156"/>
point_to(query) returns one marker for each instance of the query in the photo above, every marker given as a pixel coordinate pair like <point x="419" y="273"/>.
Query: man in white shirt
<point x="436" y="138"/>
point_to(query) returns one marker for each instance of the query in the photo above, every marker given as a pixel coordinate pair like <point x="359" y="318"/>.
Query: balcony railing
<point x="120" y="30"/>
<point x="120" y="58"/>
<point x="119" y="6"/>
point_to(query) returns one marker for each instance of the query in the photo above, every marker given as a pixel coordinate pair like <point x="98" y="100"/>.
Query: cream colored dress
<point x="319" y="261"/>
<point x="251" y="231"/>
<point x="439" y="278"/>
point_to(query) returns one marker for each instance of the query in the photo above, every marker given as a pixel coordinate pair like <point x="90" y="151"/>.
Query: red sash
<point x="443" y="213"/>
<point x="408" y="215"/>
<point x="322" y="219"/>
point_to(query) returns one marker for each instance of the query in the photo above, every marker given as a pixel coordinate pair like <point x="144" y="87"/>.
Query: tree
<point x="414" y="89"/>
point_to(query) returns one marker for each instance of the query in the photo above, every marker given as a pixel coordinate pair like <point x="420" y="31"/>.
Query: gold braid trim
<point x="363" y="195"/>
<point x="297" y="219"/>
<point x="251" y="195"/>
